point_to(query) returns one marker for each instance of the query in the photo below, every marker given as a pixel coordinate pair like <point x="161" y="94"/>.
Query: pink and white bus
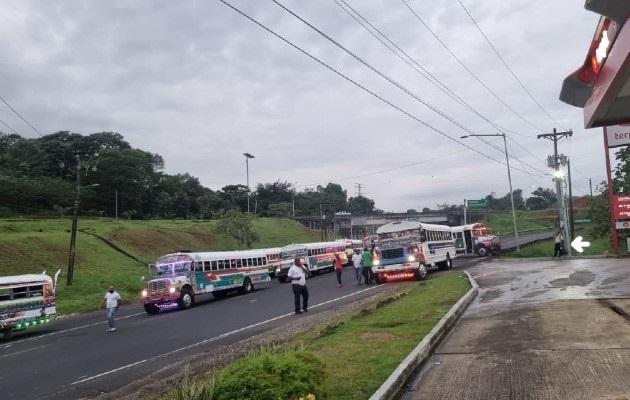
<point x="183" y="276"/>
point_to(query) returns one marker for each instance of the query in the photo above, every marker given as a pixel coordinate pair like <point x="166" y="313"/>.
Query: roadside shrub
<point x="267" y="375"/>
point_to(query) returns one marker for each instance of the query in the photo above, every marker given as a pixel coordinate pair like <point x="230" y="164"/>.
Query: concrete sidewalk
<point x="541" y="329"/>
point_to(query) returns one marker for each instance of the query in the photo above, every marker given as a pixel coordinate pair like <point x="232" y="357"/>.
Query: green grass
<point x="32" y="246"/>
<point x="361" y="350"/>
<point x="526" y="221"/>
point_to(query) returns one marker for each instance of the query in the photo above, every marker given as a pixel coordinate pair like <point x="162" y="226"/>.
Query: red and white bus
<point x="317" y="257"/>
<point x="476" y="239"/>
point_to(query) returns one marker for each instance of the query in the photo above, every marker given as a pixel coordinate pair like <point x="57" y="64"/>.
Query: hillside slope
<point x="116" y="253"/>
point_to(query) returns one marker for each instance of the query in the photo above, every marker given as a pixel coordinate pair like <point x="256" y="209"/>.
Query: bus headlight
<point x="145" y="293"/>
<point x="377" y="262"/>
<point x="412" y="258"/>
<point x="172" y="289"/>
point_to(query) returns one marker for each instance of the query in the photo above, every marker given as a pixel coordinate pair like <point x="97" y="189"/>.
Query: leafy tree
<point x="280" y="210"/>
<point x="600" y="210"/>
<point x="238" y="225"/>
<point x="235" y="196"/>
<point x="333" y="196"/>
<point x="272" y="193"/>
<point x="360" y="205"/>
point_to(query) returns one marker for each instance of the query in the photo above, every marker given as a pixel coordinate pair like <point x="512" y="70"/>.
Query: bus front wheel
<point x="421" y="273"/>
<point x="151" y="308"/>
<point x="186" y="299"/>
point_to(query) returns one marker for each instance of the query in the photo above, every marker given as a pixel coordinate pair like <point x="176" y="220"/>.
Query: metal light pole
<point x="247" y="157"/>
<point x="507" y="160"/>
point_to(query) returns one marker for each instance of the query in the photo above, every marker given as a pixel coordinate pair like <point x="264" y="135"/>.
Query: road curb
<point x="394" y="384"/>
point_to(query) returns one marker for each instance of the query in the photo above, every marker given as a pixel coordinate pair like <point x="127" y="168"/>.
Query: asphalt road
<point x="75" y="357"/>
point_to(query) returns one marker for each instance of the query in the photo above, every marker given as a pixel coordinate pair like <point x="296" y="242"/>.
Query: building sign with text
<point x="618" y="135"/>
<point x="621" y="207"/>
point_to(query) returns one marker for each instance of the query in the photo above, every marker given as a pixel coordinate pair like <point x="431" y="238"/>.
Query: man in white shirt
<point x="111" y="302"/>
<point x="357" y="262"/>
<point x="297" y="276"/>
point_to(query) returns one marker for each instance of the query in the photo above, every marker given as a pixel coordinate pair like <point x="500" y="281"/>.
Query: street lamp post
<point x="507" y="160"/>
<point x="247" y="157"/>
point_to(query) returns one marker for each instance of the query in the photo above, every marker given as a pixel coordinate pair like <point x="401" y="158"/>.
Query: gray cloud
<point x="200" y="85"/>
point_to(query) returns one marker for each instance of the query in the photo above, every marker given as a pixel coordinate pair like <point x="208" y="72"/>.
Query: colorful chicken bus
<point x="26" y="301"/>
<point x="183" y="276"/>
<point x="273" y="260"/>
<point x="317" y="257"/>
<point x="476" y="239"/>
<point x="407" y="249"/>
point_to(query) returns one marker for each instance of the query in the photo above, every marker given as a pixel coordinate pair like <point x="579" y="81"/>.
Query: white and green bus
<point x="317" y="257"/>
<point x="26" y="301"/>
<point x="183" y="276"/>
<point x="406" y="249"/>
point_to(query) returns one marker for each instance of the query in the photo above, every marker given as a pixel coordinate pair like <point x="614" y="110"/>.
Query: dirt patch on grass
<point x="378" y="336"/>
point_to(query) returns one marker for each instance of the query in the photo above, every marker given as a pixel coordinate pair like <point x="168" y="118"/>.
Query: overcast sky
<point x="199" y="84"/>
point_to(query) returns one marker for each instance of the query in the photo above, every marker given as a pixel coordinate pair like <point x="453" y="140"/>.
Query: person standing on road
<point x="297" y="275"/>
<point x="111" y="301"/>
<point x="338" y="269"/>
<point x="357" y="262"/>
<point x="368" y="275"/>
<point x="558" y="247"/>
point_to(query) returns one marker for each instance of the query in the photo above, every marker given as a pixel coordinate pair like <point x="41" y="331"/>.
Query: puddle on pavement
<point x="578" y="278"/>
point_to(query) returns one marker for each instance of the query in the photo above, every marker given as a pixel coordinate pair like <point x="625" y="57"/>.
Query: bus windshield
<point x="173" y="264"/>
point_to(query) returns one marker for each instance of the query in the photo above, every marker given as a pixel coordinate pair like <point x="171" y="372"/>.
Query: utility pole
<point x="555" y="136"/>
<point x="358" y="186"/>
<point x="75" y="219"/>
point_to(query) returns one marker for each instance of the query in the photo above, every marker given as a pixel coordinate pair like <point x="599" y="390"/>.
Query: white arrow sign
<point x="577" y="244"/>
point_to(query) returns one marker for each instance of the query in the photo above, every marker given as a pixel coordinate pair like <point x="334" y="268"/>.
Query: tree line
<point x="41" y="176"/>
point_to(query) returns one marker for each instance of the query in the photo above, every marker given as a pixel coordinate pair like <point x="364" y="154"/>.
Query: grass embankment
<point x="117" y="252"/>
<point x="358" y="351"/>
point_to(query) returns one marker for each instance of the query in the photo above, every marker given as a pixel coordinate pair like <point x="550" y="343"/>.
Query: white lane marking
<point x="23" y="351"/>
<point x="209" y="340"/>
<point x="66" y="330"/>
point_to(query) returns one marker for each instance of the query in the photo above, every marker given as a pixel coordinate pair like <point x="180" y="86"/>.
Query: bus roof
<point x="406" y="225"/>
<point x="470" y="227"/>
<point x="24" y="279"/>
<point x="218" y="255"/>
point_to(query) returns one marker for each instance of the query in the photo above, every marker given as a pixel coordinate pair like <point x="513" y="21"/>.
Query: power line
<point x="11" y="129"/>
<point x="415" y="65"/>
<point x="21" y="117"/>
<point x="322" y="63"/>
<point x="468" y="69"/>
<point x="381" y="74"/>
<point x="354" y="82"/>
<point x="507" y="66"/>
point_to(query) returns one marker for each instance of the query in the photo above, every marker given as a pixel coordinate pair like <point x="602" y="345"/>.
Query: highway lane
<point x="75" y="357"/>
